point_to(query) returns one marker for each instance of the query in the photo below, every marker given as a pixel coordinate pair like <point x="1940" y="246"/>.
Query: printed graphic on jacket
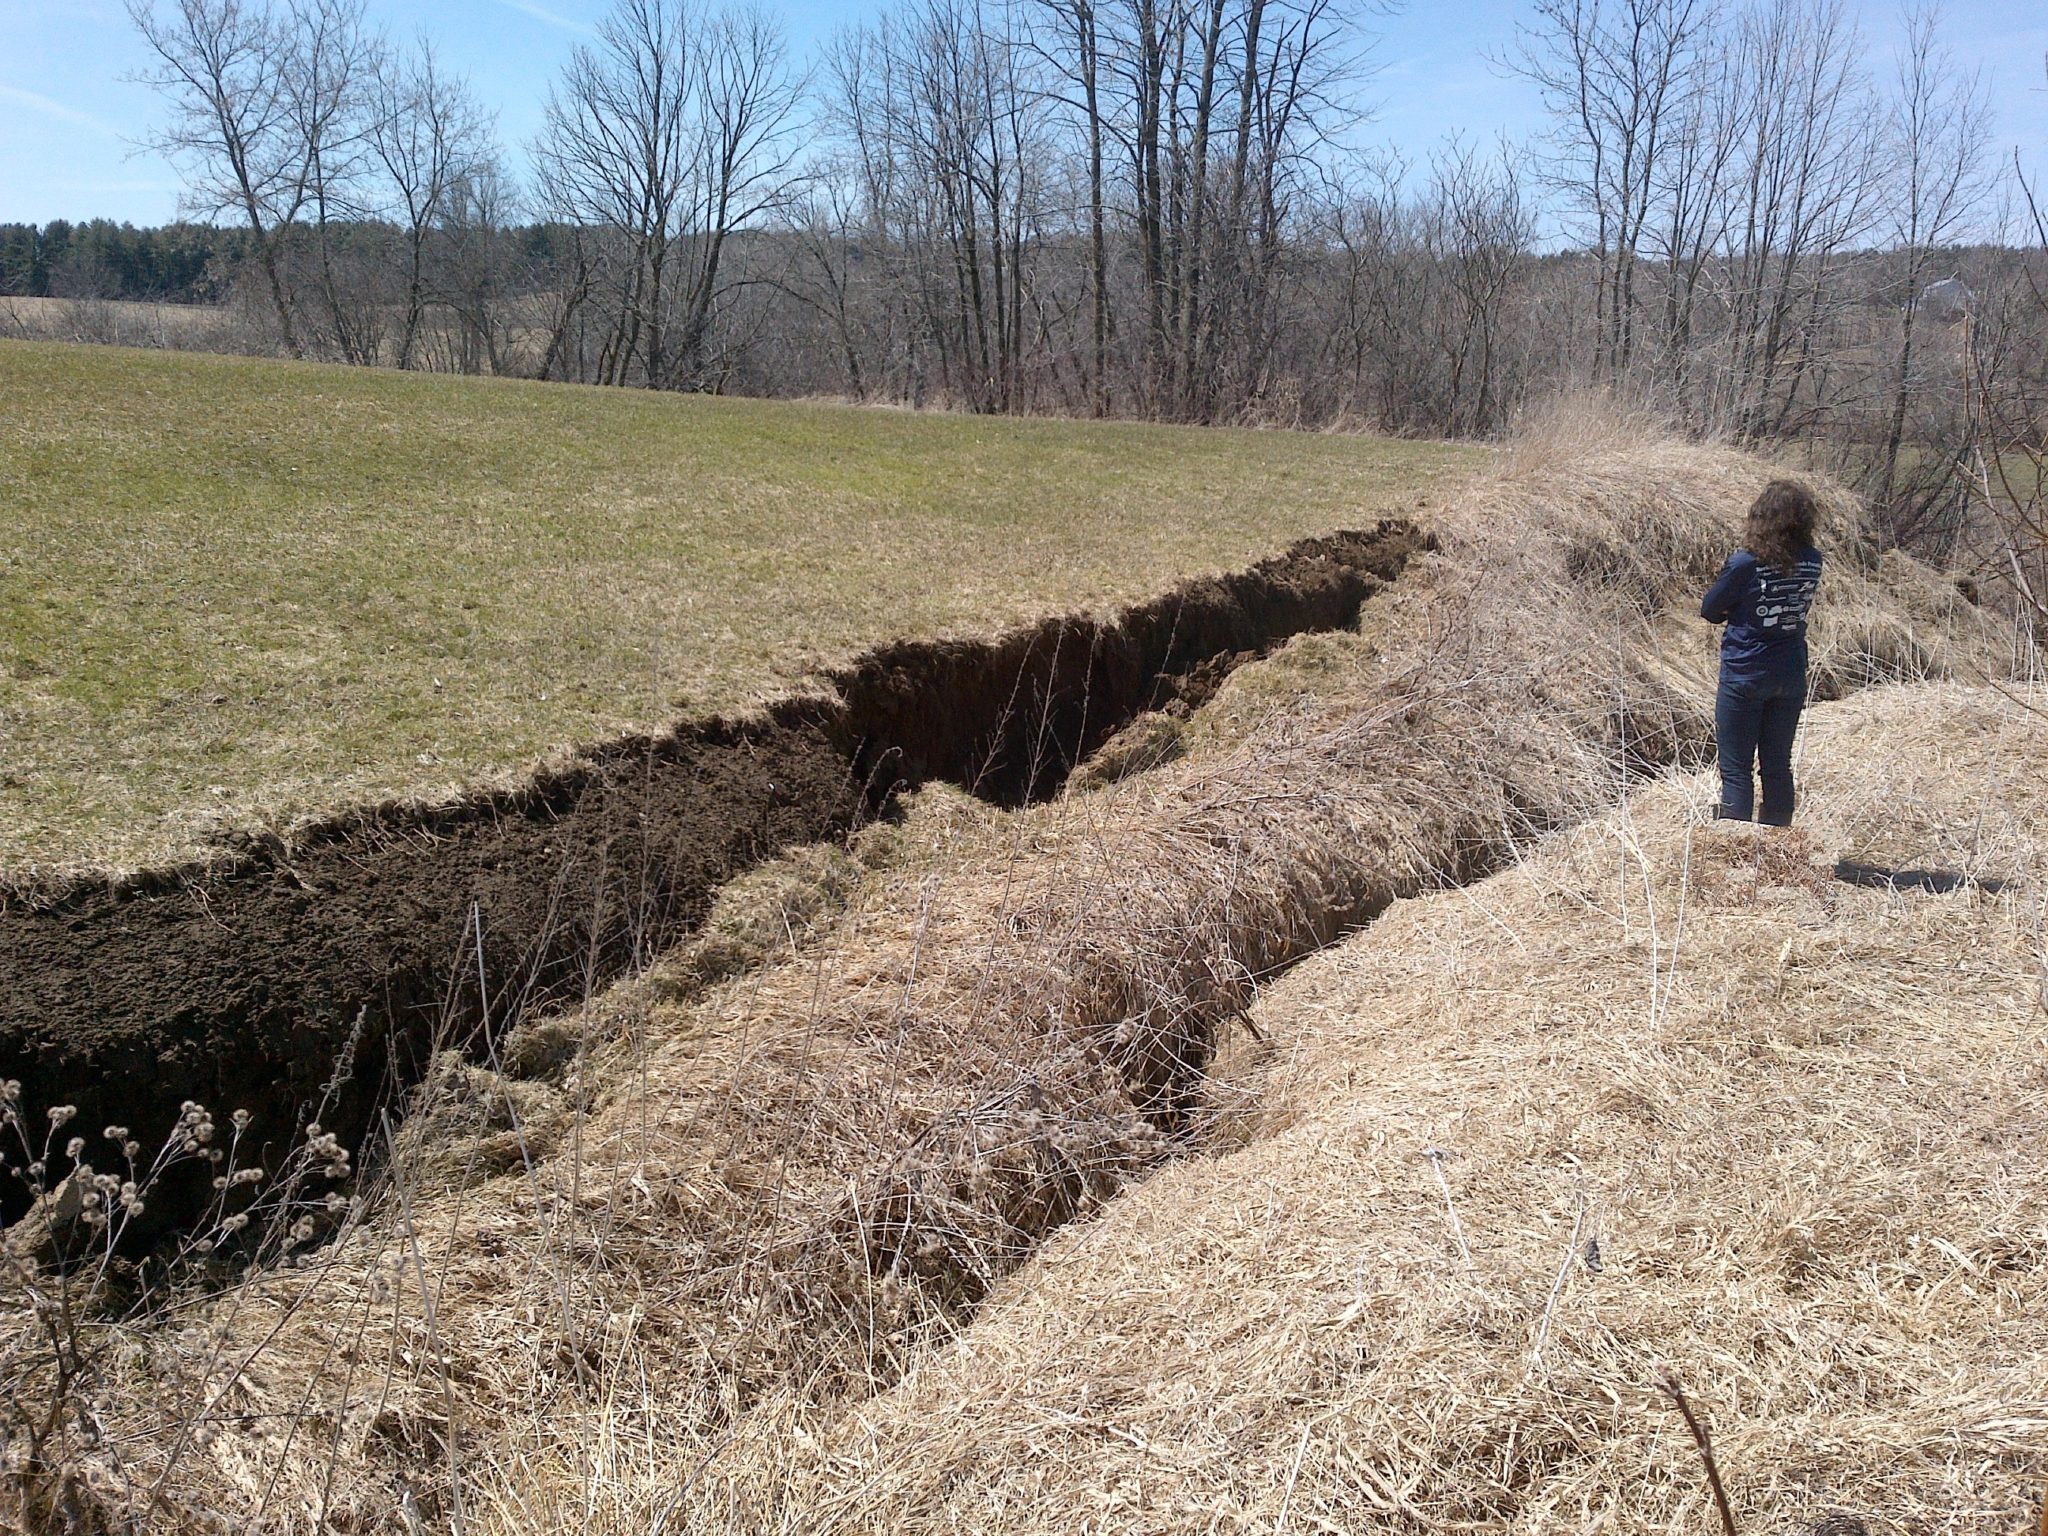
<point x="1782" y="601"/>
<point x="1765" y="610"/>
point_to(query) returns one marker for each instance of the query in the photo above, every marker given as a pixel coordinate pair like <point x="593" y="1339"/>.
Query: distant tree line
<point x="176" y="264"/>
<point x="1742" y="216"/>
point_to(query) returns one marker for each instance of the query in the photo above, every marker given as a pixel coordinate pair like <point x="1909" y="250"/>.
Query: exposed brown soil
<point x="249" y="981"/>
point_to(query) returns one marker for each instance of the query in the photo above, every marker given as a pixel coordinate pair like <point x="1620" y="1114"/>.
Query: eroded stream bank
<point x="248" y="981"/>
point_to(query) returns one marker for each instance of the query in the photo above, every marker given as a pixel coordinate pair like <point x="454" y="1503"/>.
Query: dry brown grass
<point x="123" y="323"/>
<point x="1696" y="1104"/>
<point x="739" y="1212"/>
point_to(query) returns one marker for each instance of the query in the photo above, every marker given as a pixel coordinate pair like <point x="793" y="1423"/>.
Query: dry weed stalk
<point x="1696" y="1426"/>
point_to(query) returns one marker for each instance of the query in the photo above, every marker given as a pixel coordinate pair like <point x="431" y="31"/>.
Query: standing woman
<point x="1762" y="595"/>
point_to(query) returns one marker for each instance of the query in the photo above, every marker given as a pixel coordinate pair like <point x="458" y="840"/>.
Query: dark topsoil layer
<point x="248" y="981"/>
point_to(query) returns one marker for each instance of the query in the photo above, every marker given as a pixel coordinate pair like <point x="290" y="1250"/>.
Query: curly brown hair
<point x="1780" y="524"/>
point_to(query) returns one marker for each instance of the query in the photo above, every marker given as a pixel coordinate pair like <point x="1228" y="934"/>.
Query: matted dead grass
<point x="1665" y="1096"/>
<point x="734" y="1212"/>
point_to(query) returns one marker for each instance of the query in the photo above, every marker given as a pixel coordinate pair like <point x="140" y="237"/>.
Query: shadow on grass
<point x="1939" y="881"/>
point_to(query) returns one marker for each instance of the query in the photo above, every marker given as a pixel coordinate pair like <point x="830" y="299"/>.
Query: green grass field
<point x="234" y="591"/>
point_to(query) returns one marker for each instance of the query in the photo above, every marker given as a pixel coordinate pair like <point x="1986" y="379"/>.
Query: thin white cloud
<point x="542" y="13"/>
<point x="58" y="110"/>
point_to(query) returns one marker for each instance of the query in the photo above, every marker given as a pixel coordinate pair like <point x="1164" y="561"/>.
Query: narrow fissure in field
<point x="317" y="976"/>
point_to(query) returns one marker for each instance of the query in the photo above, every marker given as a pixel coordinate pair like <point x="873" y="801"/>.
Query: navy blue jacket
<point x="1765" y="611"/>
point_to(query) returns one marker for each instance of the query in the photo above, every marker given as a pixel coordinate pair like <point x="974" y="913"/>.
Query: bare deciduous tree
<point x="1800" y="199"/>
<point x="224" y="68"/>
<point x="1071" y="43"/>
<point x="667" y="135"/>
<point x="328" y="63"/>
<point x="477" y="273"/>
<point x="432" y="145"/>
<point x="1425" y="289"/>
<point x="1623" y="80"/>
<point x="1934" y="144"/>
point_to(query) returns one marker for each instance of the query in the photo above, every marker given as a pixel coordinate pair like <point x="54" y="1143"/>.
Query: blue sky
<point x="69" y="120"/>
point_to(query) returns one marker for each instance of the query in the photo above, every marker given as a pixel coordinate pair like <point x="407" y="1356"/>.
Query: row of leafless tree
<point x="1743" y="216"/>
<point x="1731" y="173"/>
<point x="299" y="121"/>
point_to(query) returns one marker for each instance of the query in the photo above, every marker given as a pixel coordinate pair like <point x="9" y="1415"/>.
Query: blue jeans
<point x="1755" y="720"/>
